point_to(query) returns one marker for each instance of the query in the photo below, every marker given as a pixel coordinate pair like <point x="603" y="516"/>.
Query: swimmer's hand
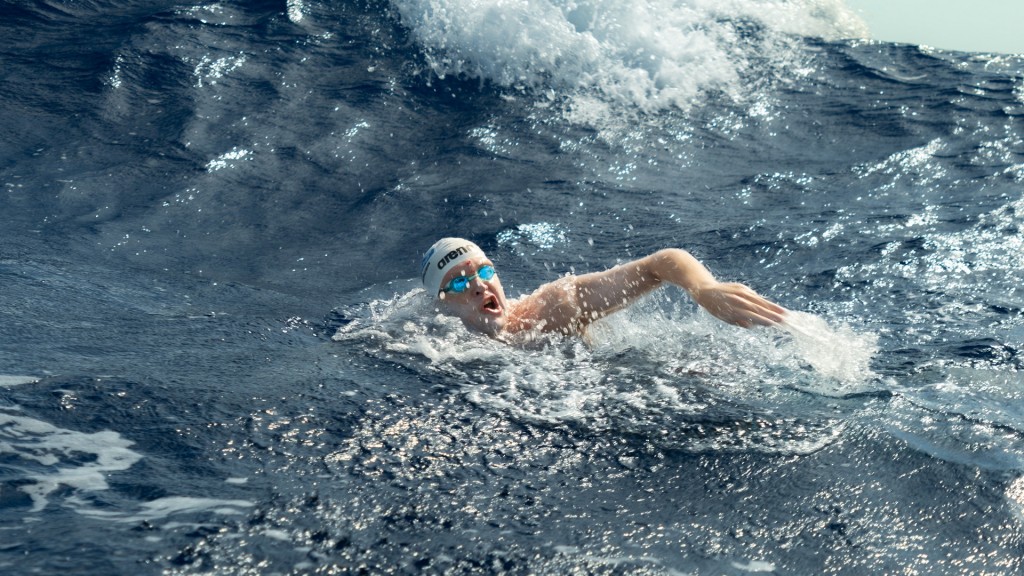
<point x="737" y="304"/>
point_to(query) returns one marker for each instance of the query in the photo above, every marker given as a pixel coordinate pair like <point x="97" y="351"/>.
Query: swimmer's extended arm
<point x="601" y="293"/>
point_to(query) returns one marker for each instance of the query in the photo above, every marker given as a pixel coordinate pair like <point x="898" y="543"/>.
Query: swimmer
<point x="463" y="280"/>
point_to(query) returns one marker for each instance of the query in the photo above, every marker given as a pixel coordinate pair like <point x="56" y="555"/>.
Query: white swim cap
<point x="441" y="257"/>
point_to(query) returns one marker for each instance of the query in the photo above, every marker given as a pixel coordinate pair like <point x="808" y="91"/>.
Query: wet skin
<point x="569" y="304"/>
<point x="482" y="306"/>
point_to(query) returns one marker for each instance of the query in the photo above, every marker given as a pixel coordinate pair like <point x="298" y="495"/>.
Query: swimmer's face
<point x="482" y="305"/>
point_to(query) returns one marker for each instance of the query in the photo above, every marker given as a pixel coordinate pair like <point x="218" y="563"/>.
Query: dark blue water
<point x="215" y="357"/>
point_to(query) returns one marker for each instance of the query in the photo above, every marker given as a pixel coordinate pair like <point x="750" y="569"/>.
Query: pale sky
<point x="968" y="25"/>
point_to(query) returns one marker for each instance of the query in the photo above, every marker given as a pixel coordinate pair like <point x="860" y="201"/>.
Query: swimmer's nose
<point x="478" y="284"/>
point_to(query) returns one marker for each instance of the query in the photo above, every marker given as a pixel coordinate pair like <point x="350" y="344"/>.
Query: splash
<point x="647" y="54"/>
<point x="837" y="353"/>
<point x="658" y="369"/>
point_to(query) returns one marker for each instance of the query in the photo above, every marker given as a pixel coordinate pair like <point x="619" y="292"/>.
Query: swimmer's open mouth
<point x="491" y="304"/>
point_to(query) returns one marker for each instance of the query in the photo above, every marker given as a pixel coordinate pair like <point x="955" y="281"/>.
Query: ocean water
<point x="215" y="356"/>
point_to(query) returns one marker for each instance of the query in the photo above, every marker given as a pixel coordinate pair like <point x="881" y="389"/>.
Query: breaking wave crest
<point x="649" y="54"/>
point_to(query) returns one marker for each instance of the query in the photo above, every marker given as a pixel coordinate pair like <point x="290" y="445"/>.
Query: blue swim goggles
<point x="460" y="283"/>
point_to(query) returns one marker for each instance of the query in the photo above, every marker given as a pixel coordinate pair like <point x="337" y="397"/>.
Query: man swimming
<point x="460" y="276"/>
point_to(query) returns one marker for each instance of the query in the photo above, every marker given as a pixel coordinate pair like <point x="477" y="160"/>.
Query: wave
<point x="652" y="54"/>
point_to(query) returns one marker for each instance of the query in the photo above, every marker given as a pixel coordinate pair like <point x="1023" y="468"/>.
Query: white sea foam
<point x="755" y="566"/>
<point x="49" y="457"/>
<point x="168" y="506"/>
<point x="650" y="54"/>
<point x="7" y="381"/>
